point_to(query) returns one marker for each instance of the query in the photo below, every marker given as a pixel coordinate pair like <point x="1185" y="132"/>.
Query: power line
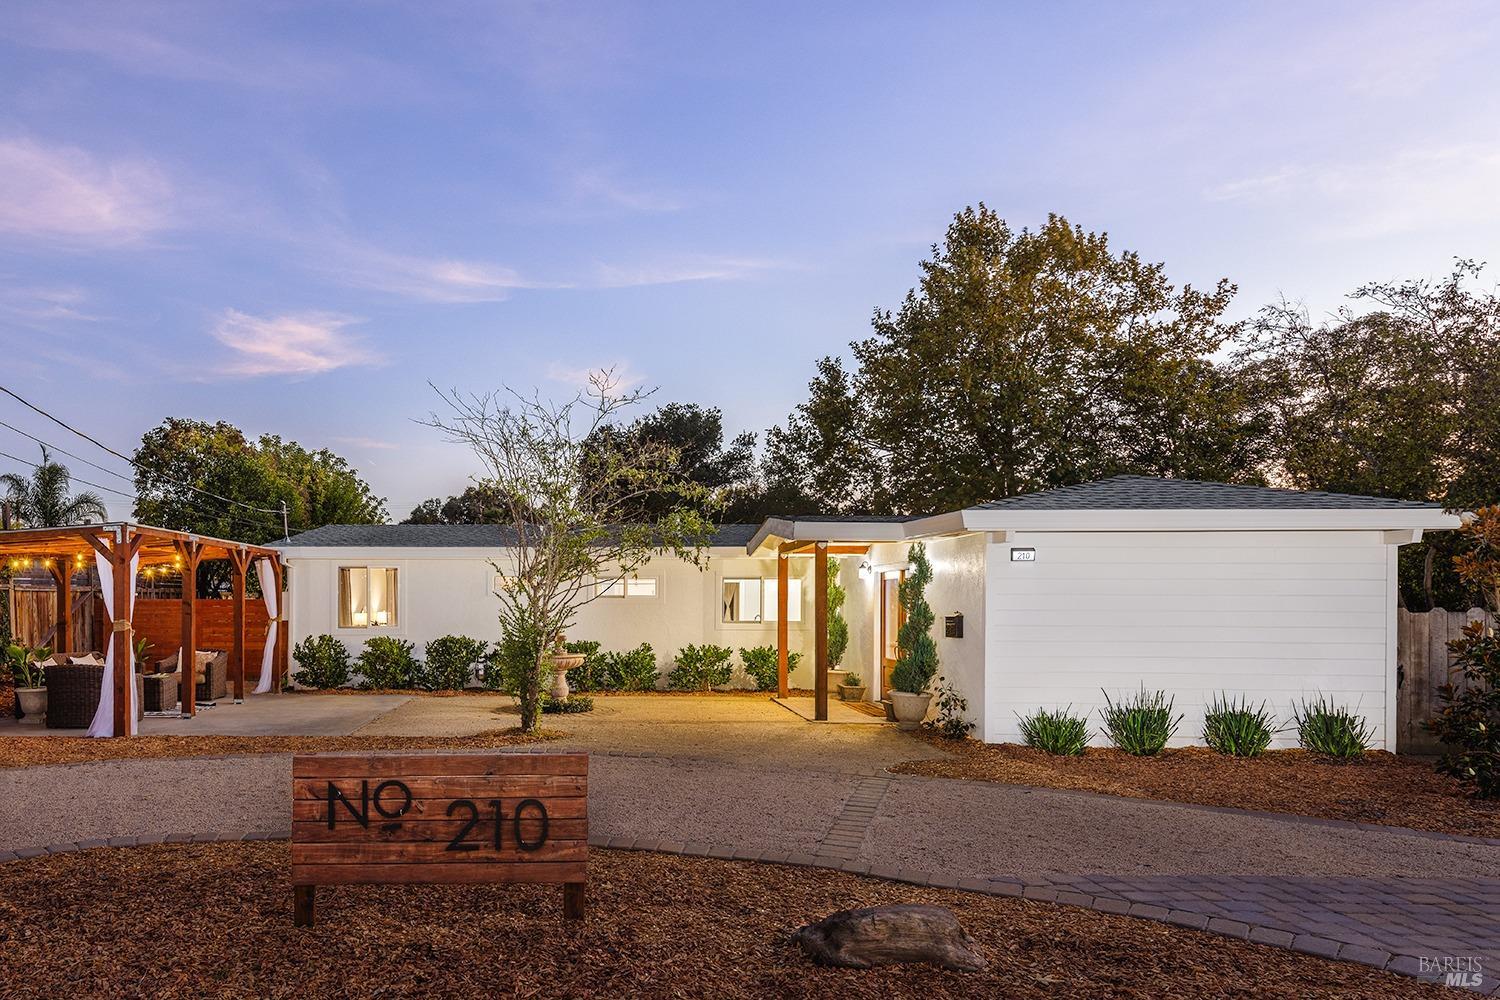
<point x="126" y="458"/>
<point x="63" y="451"/>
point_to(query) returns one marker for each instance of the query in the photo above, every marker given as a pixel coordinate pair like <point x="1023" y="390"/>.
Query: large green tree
<point x="479" y="503"/>
<point x="45" y="499"/>
<point x="1022" y="360"/>
<point x="212" y="480"/>
<point x="693" y="436"/>
<point x="1396" y="395"/>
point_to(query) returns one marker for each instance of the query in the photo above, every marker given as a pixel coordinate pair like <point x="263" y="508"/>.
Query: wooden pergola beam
<point x="187" y="658"/>
<point x="239" y="561"/>
<point x="120" y="552"/>
<point x="783" y="688"/>
<point x="820" y="630"/>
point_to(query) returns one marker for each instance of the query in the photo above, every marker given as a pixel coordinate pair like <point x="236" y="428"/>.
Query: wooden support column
<point x="120" y="551"/>
<point x="239" y="562"/>
<point x="187" y="660"/>
<point x="279" y="661"/>
<point x="61" y="569"/>
<point x="782" y="586"/>
<point x="820" y="629"/>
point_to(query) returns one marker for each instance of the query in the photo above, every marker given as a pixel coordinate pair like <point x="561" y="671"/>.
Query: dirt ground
<point x="215" y="920"/>
<point x="1379" y="788"/>
<point x="40" y="751"/>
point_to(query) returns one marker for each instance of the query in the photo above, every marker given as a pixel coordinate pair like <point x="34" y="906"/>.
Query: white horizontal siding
<point x="1272" y="616"/>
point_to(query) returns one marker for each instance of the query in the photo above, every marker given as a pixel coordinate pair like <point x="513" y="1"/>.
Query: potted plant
<point x="29" y="675"/>
<point x="850" y="689"/>
<point x="918" y="662"/>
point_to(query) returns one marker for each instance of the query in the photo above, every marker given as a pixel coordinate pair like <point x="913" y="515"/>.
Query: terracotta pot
<point x="33" y="703"/>
<point x="910" y="709"/>
<point x="851" y="692"/>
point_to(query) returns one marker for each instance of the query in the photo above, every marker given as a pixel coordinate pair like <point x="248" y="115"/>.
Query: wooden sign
<point x="439" y="818"/>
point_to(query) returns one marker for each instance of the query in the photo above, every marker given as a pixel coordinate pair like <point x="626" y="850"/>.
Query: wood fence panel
<point x="160" y="622"/>
<point x="33" y="615"/>
<point x="1422" y="652"/>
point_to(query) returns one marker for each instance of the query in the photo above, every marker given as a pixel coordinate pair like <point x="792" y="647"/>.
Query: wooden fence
<point x="1423" y="663"/>
<point x="159" y="622"/>
<point x="33" y="616"/>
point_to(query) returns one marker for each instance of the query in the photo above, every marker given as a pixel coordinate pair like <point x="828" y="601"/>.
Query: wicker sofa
<point x="211" y="679"/>
<point x="73" y="694"/>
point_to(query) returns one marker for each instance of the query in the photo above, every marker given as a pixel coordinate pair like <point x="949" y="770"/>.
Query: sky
<point x="298" y="217"/>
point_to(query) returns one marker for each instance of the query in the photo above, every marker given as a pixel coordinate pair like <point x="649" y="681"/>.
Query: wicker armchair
<point x="73" y="695"/>
<point x="161" y="691"/>
<point x="213" y="675"/>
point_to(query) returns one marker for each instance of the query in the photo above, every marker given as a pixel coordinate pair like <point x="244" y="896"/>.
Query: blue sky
<point x="293" y="216"/>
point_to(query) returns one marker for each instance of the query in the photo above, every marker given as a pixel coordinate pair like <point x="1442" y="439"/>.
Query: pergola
<point x="64" y="551"/>
<point x="820" y="550"/>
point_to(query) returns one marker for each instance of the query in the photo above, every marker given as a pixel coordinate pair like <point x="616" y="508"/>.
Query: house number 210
<point x="497" y="814"/>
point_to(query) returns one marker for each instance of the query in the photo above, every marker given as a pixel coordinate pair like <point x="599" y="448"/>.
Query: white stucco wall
<point x="451" y="591"/>
<point x="1274" y="616"/>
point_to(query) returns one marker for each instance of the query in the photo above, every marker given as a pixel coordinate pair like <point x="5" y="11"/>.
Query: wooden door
<point x="892" y="616"/>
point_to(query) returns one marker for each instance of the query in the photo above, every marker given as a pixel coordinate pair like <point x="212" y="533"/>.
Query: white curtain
<point x="268" y="591"/>
<point x="104" y="717"/>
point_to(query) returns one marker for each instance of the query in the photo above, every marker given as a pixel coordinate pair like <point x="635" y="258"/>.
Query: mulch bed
<point x="215" y="920"/>
<point x="1379" y="788"/>
<point x="39" y="751"/>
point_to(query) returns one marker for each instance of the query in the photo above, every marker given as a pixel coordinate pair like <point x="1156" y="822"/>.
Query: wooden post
<point x="573" y="900"/>
<point x="782" y="685"/>
<point x="820" y="629"/>
<point x="279" y="660"/>
<point x="61" y="569"/>
<point x="187" y="660"/>
<point x="303" y="899"/>
<point x="239" y="561"/>
<point x="124" y="675"/>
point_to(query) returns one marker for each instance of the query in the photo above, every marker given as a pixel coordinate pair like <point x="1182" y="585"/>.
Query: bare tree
<point x="575" y="513"/>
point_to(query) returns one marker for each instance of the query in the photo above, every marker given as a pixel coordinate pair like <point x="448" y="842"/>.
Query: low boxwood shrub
<point x="1326" y="728"/>
<point x="592" y="674"/>
<point x="701" y="668"/>
<point x="1141" y="724"/>
<point x="573" y="704"/>
<point x="322" y="662"/>
<point x="761" y="666"/>
<point x="1060" y="732"/>
<point x="632" y="669"/>
<point x="450" y="663"/>
<point x="1237" y="728"/>
<point x="389" y="663"/>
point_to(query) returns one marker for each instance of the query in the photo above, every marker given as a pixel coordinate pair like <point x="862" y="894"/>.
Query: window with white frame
<point x="628" y="586"/>
<point x="367" y="597"/>
<point x="753" y="599"/>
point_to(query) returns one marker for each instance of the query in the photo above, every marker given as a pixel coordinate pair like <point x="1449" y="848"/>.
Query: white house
<point x="1043" y="600"/>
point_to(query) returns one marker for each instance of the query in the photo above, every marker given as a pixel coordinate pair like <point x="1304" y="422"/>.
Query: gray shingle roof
<point x="1148" y="493"/>
<point x="452" y="536"/>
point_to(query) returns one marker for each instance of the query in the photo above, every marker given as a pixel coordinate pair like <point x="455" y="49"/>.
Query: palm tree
<point x="43" y="500"/>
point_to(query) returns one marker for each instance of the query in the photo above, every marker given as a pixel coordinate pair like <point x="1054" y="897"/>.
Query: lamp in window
<point x="382" y="618"/>
<point x="361" y="619"/>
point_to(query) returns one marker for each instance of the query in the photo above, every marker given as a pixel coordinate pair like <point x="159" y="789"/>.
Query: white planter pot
<point x="33" y="703"/>
<point x="910" y="709"/>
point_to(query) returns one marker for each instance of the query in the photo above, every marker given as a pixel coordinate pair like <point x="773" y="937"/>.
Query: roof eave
<point x="1215" y="519"/>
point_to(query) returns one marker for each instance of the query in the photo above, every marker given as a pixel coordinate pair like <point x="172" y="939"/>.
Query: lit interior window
<point x="367" y="597"/>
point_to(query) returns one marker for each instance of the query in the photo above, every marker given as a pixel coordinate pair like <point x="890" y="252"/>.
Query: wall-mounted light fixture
<point x="866" y="570"/>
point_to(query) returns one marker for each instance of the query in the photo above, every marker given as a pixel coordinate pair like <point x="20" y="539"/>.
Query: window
<point x="630" y="586"/>
<point x="367" y="597"/>
<point x="752" y="599"/>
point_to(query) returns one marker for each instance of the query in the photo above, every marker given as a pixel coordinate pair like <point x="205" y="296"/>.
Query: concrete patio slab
<point x="838" y="712"/>
<point x="292" y="714"/>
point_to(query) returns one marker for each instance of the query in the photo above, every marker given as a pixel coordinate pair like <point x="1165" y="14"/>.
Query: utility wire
<point x="63" y="451"/>
<point x="126" y="458"/>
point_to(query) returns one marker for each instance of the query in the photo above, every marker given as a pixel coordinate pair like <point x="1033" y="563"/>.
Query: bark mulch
<point x="39" y="751"/>
<point x="1378" y="788"/>
<point x="215" y="920"/>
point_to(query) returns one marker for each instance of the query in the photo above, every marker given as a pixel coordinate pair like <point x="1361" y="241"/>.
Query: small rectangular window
<point x="633" y="586"/>
<point x="753" y="599"/>
<point x="367" y="597"/>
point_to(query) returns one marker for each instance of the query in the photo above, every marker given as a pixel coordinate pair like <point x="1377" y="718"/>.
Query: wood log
<point x="887" y="935"/>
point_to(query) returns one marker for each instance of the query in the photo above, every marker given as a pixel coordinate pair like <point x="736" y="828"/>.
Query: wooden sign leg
<point x="302" y="904"/>
<point x="573" y="900"/>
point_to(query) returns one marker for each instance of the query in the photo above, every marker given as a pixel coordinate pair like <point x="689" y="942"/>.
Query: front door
<point x="892" y="616"/>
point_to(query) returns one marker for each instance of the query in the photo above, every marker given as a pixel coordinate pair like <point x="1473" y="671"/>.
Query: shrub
<point x="450" y="663"/>
<point x="851" y="679"/>
<point x="761" y="666"/>
<point x="838" y="628"/>
<point x="591" y="674"/>
<point x="1237" y="729"/>
<point x="1326" y="728"/>
<point x="389" y="663"/>
<point x="571" y="705"/>
<point x="700" y="668"/>
<point x="1142" y="724"/>
<point x="1056" y="732"/>
<point x="950" y="722"/>
<point x="322" y="662"/>
<point x="632" y="670"/>
<point x="918" y="663"/>
<point x="1470" y="720"/>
